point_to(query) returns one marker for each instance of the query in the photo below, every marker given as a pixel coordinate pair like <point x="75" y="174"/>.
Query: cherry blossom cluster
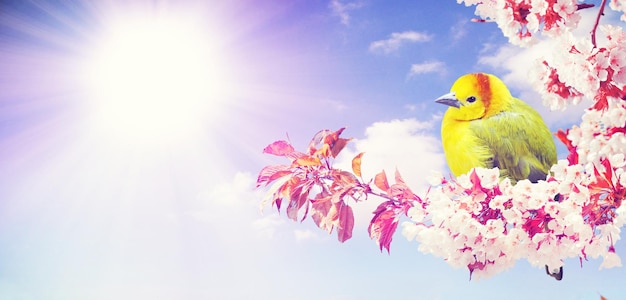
<point x="485" y="224"/>
<point x="619" y="5"/>
<point x="598" y="73"/>
<point x="520" y="20"/>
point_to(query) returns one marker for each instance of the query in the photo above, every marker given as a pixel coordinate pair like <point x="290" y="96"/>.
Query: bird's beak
<point x="449" y="99"/>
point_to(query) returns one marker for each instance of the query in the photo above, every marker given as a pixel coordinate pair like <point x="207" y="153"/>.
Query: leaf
<point x="333" y="137"/>
<point x="320" y="208"/>
<point x="476" y="184"/>
<point x="271" y="173"/>
<point x="273" y="192"/>
<point x="399" y="179"/>
<point x="346" y="222"/>
<point x="380" y="180"/>
<point x="298" y="197"/>
<point x="356" y="164"/>
<point x="327" y="138"/>
<point x="606" y="90"/>
<point x="383" y="225"/>
<point x="279" y="148"/>
<point x="308" y="161"/>
<point x="572" y="156"/>
<point x="344" y="179"/>
<point x="323" y="151"/>
<point x="338" y="146"/>
<point x="317" y="140"/>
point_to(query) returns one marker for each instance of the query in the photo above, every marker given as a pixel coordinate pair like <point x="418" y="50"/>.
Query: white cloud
<point x="267" y="226"/>
<point x="237" y="192"/>
<point x="407" y="145"/>
<point x="343" y="10"/>
<point x="306" y="234"/>
<point x="427" y="67"/>
<point x="219" y="204"/>
<point x="458" y="31"/>
<point x="396" y="40"/>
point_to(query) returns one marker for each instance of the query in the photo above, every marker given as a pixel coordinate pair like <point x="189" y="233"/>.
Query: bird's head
<point x="475" y="96"/>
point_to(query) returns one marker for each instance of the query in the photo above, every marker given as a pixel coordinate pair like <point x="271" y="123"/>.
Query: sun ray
<point x="153" y="78"/>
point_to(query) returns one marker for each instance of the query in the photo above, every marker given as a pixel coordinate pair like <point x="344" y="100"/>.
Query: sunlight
<point x="153" y="78"/>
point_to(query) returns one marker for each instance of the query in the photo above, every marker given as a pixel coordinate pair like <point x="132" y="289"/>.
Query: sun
<point x="153" y="78"/>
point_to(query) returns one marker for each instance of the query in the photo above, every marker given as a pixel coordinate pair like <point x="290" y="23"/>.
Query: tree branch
<point x="595" y="26"/>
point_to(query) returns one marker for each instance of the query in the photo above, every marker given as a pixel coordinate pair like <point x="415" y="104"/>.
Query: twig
<point x="595" y="26"/>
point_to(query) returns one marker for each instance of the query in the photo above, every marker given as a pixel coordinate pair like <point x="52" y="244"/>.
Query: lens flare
<point x="152" y="78"/>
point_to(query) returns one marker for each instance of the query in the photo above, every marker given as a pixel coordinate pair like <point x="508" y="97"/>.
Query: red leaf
<point x="356" y="164"/>
<point x="333" y="137"/>
<point x="380" y="180"/>
<point x="572" y="157"/>
<point x="608" y="170"/>
<point x="614" y="130"/>
<point x="279" y="148"/>
<point x="346" y="222"/>
<point x="383" y="225"/>
<point x="338" y="146"/>
<point x="606" y="90"/>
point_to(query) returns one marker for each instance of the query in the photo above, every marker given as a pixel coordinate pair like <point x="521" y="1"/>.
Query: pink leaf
<point x="319" y="211"/>
<point x="346" y="222"/>
<point x="279" y="148"/>
<point x="399" y="179"/>
<point x="298" y="198"/>
<point x="383" y="225"/>
<point x="271" y="173"/>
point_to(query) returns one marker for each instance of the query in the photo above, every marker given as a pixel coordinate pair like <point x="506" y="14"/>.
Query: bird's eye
<point x="470" y="99"/>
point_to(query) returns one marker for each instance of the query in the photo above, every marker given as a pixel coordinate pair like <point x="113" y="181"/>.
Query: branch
<point x="595" y="26"/>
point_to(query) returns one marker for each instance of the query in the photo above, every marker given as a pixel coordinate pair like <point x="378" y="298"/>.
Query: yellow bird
<point x="485" y="126"/>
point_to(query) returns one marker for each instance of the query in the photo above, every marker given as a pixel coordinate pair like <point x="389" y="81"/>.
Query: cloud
<point x="458" y="30"/>
<point x="407" y="145"/>
<point x="306" y="234"/>
<point x="233" y="206"/>
<point x="267" y="226"/>
<point x="235" y="193"/>
<point x="396" y="40"/>
<point x="343" y="10"/>
<point x="434" y="66"/>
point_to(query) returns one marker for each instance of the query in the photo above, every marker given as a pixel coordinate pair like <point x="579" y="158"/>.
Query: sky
<point x="131" y="135"/>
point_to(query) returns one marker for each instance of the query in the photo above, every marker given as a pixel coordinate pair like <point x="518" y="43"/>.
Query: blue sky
<point x="102" y="199"/>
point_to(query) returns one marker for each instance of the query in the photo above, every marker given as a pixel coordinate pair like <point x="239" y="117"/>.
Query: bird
<point x="485" y="126"/>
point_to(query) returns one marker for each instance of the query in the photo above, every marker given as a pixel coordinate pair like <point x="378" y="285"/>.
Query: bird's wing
<point x="520" y="141"/>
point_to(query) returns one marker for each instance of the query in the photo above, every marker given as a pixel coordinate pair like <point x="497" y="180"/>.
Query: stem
<point x="595" y="26"/>
<point x="385" y="196"/>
